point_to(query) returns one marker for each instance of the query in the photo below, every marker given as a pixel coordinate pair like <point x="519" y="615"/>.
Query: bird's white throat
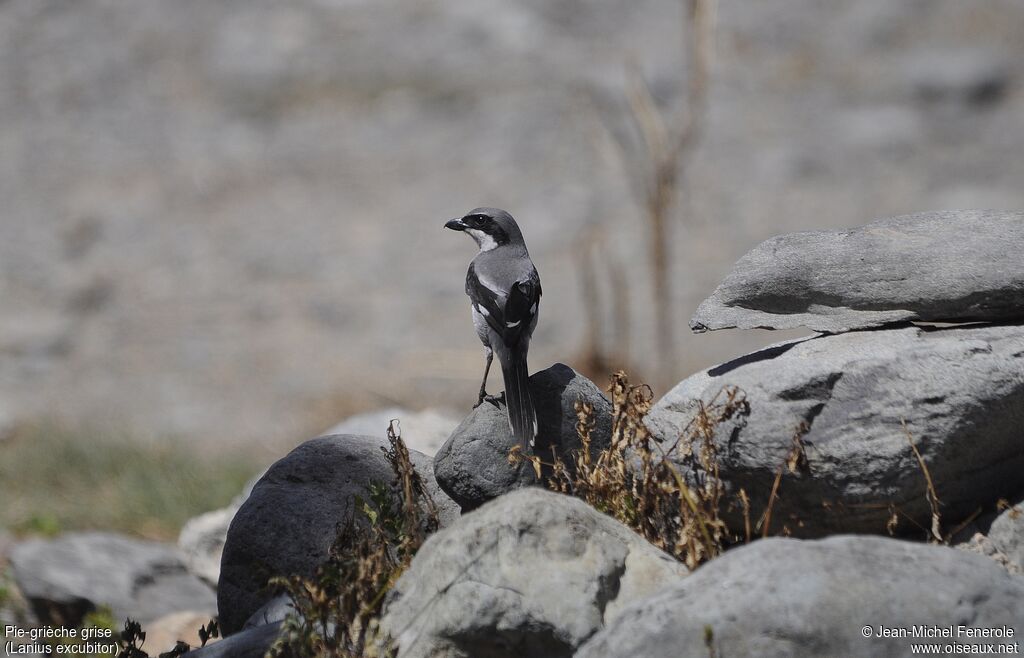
<point x="485" y="241"/>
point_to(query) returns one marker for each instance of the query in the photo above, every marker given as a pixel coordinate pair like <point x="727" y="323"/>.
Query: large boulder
<point x="290" y="519"/>
<point x="792" y="598"/>
<point x="533" y="573"/>
<point x="472" y="466"/>
<point x="959" y="390"/>
<point x="934" y="266"/>
<point x="67" y="577"/>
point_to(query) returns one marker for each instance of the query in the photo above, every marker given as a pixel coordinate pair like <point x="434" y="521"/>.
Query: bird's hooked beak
<point x="455" y="225"/>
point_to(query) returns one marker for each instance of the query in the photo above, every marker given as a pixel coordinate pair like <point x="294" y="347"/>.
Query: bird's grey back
<point x="503" y="266"/>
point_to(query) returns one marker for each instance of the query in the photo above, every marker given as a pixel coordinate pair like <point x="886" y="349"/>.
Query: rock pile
<point x="533" y="573"/>
<point x="873" y="414"/>
<point x="856" y="400"/>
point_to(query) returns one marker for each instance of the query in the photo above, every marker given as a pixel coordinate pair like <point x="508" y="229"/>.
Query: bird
<point x="504" y="293"/>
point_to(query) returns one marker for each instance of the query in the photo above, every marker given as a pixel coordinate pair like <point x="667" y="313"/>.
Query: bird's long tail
<point x="522" y="417"/>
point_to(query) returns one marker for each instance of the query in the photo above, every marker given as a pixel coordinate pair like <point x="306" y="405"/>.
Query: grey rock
<point x="273" y="611"/>
<point x="14" y="609"/>
<point x="965" y="76"/>
<point x="786" y="597"/>
<point x="290" y="519"/>
<point x="472" y="466"/>
<point x="202" y="542"/>
<point x="998" y="535"/>
<point x="1007" y="535"/>
<point x="250" y="643"/>
<point x="959" y="389"/>
<point x="982" y="545"/>
<point x="934" y="266"/>
<point x="424" y="431"/>
<point x="255" y="638"/>
<point x="533" y="573"/>
<point x="67" y="577"/>
<point x="202" y="538"/>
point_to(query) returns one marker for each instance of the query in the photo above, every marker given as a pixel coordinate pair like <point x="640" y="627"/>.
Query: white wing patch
<point x="513" y="324"/>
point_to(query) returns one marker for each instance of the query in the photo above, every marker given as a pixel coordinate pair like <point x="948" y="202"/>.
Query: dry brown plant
<point x="640" y="481"/>
<point x="930" y="493"/>
<point x="337" y="608"/>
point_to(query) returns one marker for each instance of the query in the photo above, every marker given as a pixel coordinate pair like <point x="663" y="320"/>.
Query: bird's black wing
<point x="511" y="316"/>
<point x="521" y="308"/>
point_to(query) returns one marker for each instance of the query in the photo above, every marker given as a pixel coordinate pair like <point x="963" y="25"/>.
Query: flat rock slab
<point x="960" y="391"/>
<point x="786" y="597"/>
<point x="472" y="466"/>
<point x="950" y="266"/>
<point x="533" y="573"/>
<point x="290" y="519"/>
<point x="67" y="577"/>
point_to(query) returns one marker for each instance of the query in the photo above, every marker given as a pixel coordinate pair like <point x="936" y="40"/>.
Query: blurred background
<point x="221" y="220"/>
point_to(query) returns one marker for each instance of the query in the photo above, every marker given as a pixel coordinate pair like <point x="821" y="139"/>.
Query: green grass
<point x="54" y="479"/>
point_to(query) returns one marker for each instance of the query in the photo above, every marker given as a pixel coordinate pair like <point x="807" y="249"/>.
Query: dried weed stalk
<point x="795" y="462"/>
<point x="933" y="497"/>
<point x="1002" y="505"/>
<point x="638" y="481"/>
<point x="337" y="609"/>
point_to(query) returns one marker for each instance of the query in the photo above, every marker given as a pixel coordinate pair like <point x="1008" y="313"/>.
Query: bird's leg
<point x="483" y="384"/>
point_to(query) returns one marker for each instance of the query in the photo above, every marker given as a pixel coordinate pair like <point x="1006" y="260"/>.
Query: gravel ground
<point x="221" y="219"/>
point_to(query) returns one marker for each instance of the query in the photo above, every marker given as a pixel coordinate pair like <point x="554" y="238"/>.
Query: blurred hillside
<point x="222" y="219"/>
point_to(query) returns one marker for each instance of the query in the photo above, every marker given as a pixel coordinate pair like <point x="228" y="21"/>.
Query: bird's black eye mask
<point x="488" y="226"/>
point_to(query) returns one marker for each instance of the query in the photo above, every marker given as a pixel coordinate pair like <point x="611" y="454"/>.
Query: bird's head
<point x="489" y="227"/>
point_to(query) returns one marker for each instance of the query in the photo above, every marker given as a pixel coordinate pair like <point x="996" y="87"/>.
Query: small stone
<point x="473" y="467"/>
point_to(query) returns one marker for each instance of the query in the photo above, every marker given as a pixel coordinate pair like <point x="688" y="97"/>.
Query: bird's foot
<point x="493" y="399"/>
